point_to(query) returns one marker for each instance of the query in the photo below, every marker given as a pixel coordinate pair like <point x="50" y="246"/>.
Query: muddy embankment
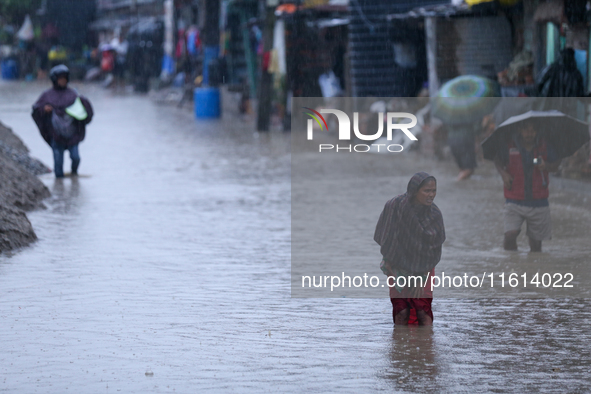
<point x="20" y="190"/>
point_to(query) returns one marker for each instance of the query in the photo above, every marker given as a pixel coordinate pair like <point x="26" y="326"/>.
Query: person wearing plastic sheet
<point x="411" y="233"/>
<point x="561" y="78"/>
<point x="524" y="165"/>
<point x="61" y="116"/>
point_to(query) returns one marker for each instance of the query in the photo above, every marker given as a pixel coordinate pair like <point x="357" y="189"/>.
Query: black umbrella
<point x="566" y="134"/>
<point x="513" y="106"/>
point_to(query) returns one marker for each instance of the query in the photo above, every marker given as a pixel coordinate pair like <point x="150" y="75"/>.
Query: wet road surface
<point x="166" y="268"/>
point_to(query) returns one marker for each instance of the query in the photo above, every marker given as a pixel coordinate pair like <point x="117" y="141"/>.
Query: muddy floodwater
<point x="165" y="267"/>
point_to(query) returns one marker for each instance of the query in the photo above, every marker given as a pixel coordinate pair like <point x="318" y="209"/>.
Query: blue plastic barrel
<point x="207" y="103"/>
<point x="9" y="69"/>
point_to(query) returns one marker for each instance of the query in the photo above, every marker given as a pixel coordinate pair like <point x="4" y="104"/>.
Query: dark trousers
<point x="58" y="158"/>
<point x="462" y="147"/>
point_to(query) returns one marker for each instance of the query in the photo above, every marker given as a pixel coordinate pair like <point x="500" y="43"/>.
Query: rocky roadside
<point x="20" y="190"/>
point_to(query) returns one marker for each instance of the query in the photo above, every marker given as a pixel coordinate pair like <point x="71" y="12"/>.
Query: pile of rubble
<point x="20" y="190"/>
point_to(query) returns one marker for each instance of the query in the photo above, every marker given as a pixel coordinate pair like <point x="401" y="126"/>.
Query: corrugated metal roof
<point x="111" y="24"/>
<point x="115" y="4"/>
<point x="333" y="22"/>
<point x="439" y="10"/>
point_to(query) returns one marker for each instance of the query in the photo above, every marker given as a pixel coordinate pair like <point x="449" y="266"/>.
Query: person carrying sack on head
<point x="61" y="116"/>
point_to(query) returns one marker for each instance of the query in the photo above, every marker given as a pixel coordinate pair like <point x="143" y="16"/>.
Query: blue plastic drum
<point x="9" y="69"/>
<point x="207" y="103"/>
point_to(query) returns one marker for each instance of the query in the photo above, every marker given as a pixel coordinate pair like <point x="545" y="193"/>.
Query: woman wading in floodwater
<point x="410" y="233"/>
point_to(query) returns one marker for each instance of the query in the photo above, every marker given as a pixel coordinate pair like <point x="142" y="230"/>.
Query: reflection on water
<point x="495" y="346"/>
<point x="172" y="256"/>
<point x="65" y="195"/>
<point x="413" y="358"/>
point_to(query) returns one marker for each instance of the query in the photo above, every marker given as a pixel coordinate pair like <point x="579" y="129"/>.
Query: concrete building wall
<point x="473" y="45"/>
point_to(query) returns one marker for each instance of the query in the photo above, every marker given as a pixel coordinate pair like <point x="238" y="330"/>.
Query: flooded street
<point x="166" y="268"/>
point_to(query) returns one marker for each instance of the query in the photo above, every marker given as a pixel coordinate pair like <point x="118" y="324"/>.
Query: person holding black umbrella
<point x="524" y="167"/>
<point x="525" y="148"/>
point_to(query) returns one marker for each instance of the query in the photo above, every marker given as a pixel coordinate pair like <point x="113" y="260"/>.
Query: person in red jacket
<point x="524" y="166"/>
